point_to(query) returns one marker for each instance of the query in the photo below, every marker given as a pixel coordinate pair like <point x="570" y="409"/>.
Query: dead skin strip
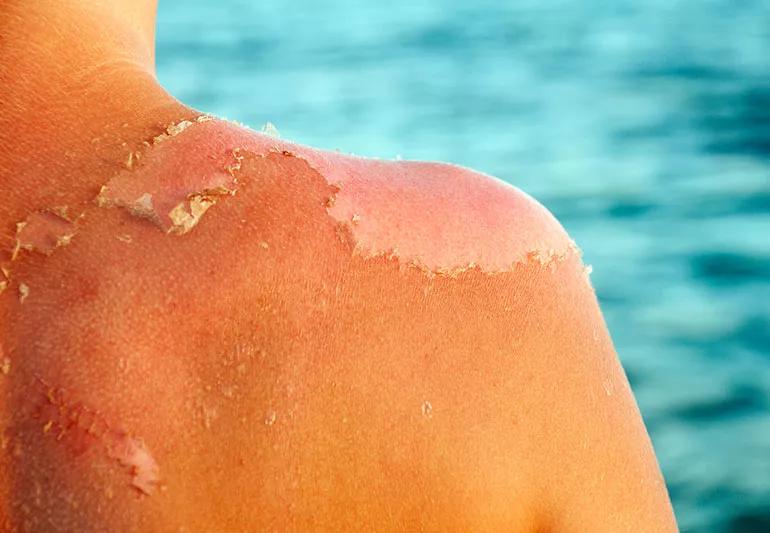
<point x="5" y="278"/>
<point x="41" y="232"/>
<point x="44" y="231"/>
<point x="174" y="201"/>
<point x="81" y="428"/>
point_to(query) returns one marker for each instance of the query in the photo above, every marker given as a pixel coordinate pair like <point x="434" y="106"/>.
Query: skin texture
<point x="334" y="344"/>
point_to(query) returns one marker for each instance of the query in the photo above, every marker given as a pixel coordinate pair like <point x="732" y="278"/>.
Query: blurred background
<point x="643" y="126"/>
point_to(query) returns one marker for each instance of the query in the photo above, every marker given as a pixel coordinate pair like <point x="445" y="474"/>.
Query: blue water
<point x="644" y="126"/>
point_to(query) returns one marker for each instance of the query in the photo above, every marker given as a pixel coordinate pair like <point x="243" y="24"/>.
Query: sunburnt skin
<point x="41" y="232"/>
<point x="173" y="201"/>
<point x="5" y="276"/>
<point x="399" y="189"/>
<point x="80" y="428"/>
<point x="44" y="231"/>
<point x="176" y="200"/>
<point x="304" y="396"/>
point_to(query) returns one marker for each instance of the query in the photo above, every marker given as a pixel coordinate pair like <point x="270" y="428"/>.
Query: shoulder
<point x="442" y="216"/>
<point x="213" y="260"/>
<point x="439" y="216"/>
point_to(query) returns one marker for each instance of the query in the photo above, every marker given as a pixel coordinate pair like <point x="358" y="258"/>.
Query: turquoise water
<point x="644" y="126"/>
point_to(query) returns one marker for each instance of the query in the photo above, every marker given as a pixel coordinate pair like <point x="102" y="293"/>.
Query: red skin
<point x="314" y="382"/>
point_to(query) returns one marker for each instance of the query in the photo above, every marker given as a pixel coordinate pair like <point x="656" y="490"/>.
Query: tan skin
<point x="317" y="353"/>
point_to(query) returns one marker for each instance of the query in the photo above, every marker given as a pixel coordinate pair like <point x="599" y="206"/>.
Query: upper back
<point x="250" y="333"/>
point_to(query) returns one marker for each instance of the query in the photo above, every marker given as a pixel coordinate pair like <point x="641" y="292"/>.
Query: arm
<point x="592" y="457"/>
<point x="539" y="373"/>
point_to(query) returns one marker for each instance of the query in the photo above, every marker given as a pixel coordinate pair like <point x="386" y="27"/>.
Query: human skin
<point x="335" y="344"/>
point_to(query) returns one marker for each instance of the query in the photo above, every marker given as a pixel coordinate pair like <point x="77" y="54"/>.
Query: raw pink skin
<point x="439" y="216"/>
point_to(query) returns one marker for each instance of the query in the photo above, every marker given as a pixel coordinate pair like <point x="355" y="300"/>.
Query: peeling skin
<point x="133" y="454"/>
<point x="174" y="199"/>
<point x="5" y="278"/>
<point x="321" y="321"/>
<point x="23" y="292"/>
<point x="549" y="258"/>
<point x="44" y="231"/>
<point x="175" y="129"/>
<point x="186" y="215"/>
<point x="370" y="210"/>
<point x="81" y="428"/>
<point x="270" y="129"/>
<point x="373" y="199"/>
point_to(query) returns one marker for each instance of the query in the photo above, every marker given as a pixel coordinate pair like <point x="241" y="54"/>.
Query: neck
<point x="77" y="87"/>
<point x="53" y="46"/>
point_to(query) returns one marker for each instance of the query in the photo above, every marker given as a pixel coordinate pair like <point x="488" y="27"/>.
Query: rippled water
<point x="644" y="126"/>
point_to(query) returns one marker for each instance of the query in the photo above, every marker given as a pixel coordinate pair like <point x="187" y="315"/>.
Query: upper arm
<point x="589" y="460"/>
<point x="598" y="466"/>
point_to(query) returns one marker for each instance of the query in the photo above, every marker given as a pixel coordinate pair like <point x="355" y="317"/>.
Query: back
<point x="239" y="333"/>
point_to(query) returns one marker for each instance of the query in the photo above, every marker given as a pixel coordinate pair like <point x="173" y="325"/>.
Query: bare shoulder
<point x="302" y="319"/>
<point x="439" y="216"/>
<point x="553" y="392"/>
